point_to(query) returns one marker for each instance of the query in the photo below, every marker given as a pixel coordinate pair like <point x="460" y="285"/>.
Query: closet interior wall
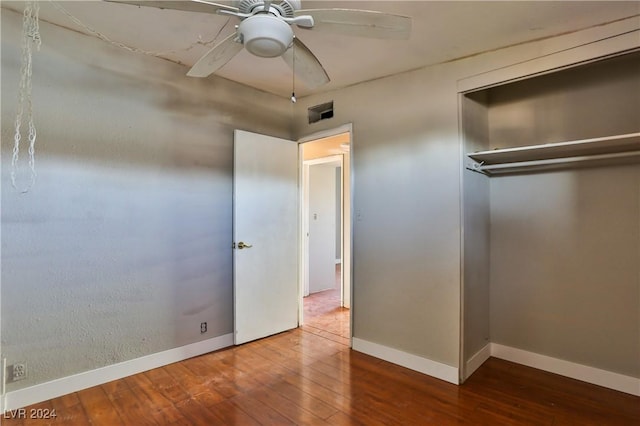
<point x="562" y="277"/>
<point x="476" y="248"/>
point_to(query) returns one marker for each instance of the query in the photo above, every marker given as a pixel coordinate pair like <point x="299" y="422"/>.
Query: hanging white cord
<point x="104" y="37"/>
<point x="30" y="36"/>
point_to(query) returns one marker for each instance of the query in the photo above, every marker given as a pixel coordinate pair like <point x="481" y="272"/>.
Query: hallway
<point x="324" y="316"/>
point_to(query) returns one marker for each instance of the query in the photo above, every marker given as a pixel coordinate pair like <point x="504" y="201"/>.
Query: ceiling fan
<point x="265" y="31"/>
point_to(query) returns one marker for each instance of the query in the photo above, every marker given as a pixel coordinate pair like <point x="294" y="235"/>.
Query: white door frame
<point x="338" y="159"/>
<point x="347" y="240"/>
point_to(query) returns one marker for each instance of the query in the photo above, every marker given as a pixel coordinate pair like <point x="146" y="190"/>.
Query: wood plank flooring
<point x="309" y="376"/>
<point x="324" y="316"/>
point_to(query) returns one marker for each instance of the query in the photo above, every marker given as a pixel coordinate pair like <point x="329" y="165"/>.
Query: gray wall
<point x="476" y="241"/>
<point x="122" y="247"/>
<point x="407" y="158"/>
<point x="564" y="266"/>
<point x="406" y="162"/>
<point x="594" y="100"/>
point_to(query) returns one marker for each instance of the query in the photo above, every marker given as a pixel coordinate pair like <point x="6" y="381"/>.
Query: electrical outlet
<point x="203" y="327"/>
<point x="18" y="371"/>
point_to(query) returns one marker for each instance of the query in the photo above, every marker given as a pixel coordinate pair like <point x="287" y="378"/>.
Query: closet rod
<point x="491" y="169"/>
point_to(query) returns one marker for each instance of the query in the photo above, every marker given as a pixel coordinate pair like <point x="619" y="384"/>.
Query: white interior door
<point x="266" y="220"/>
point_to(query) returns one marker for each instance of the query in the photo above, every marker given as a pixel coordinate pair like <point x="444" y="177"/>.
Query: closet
<point x="551" y="202"/>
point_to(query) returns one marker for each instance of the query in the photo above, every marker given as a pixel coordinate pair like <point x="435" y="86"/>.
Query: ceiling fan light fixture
<point x="265" y="35"/>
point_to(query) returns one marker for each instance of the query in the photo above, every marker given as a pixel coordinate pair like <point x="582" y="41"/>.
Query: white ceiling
<point x="441" y="31"/>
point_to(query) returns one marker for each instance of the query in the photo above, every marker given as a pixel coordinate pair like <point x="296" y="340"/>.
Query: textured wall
<point x="123" y="247"/>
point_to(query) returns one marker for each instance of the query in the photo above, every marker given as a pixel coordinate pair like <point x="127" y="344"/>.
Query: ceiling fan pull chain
<point x="30" y="36"/>
<point x="293" y="74"/>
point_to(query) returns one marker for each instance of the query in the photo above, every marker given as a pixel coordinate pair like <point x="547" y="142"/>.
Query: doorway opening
<point x="326" y="229"/>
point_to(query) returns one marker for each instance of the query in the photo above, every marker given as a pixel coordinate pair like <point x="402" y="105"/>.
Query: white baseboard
<point x="55" y="388"/>
<point x="581" y="372"/>
<point x="410" y="361"/>
<point x="66" y="385"/>
<point x="477" y="360"/>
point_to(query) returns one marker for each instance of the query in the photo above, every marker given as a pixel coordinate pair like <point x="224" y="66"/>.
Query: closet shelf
<point x="554" y="155"/>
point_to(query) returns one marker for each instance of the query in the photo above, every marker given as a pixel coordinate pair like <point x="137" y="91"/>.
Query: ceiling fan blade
<point x="187" y="6"/>
<point x="305" y="65"/>
<point x="362" y="23"/>
<point x="216" y="58"/>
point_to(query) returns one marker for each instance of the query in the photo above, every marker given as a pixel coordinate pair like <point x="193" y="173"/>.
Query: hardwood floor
<point x="324" y="316"/>
<point x="309" y="376"/>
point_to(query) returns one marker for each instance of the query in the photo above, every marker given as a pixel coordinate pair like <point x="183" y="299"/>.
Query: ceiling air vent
<point x="320" y="112"/>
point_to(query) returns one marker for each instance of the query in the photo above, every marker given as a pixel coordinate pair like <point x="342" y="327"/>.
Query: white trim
<point x="66" y="385"/>
<point x="585" y="373"/>
<point x="404" y="359"/>
<point x="335" y="158"/>
<point x="303" y="261"/>
<point x="347" y="240"/>
<point x="344" y="128"/>
<point x="581" y="46"/>
<point x="477" y="360"/>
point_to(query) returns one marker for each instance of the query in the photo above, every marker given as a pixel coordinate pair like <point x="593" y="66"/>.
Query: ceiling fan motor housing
<point x="285" y="8"/>
<point x="265" y="35"/>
